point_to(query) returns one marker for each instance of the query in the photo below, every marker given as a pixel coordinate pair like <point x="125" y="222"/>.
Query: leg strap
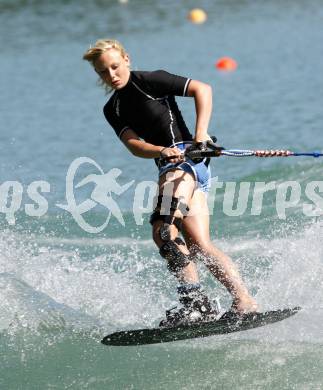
<point x="155" y="216"/>
<point x="165" y="210"/>
<point x="168" y="205"/>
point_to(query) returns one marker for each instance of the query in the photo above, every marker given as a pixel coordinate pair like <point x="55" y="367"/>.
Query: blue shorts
<point x="201" y="171"/>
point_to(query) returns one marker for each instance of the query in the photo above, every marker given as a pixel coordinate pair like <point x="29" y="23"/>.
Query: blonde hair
<point x="100" y="47"/>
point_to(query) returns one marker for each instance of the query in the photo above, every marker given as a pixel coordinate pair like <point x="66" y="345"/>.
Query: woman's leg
<point x="196" y="305"/>
<point x="197" y="237"/>
<point x="181" y="185"/>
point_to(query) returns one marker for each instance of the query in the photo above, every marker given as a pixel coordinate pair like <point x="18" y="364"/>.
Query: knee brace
<point x="176" y="260"/>
<point x="165" y="210"/>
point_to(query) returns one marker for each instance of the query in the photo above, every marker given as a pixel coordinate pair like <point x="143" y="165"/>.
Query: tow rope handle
<point x="219" y="151"/>
<point x="211" y="149"/>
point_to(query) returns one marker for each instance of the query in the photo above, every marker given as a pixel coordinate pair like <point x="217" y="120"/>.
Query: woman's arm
<point x="202" y="94"/>
<point x="140" y="148"/>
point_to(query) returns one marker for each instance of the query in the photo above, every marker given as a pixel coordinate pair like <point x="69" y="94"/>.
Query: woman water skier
<point x="145" y="116"/>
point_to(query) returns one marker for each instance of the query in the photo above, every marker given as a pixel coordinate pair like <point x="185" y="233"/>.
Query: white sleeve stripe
<point x="123" y="130"/>
<point x="185" y="87"/>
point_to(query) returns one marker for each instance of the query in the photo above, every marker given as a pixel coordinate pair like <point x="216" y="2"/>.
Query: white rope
<point x="237" y="153"/>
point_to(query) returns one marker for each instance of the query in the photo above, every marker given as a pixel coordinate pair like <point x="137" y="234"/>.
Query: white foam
<point x="125" y="287"/>
<point x="90" y="288"/>
<point x="23" y="306"/>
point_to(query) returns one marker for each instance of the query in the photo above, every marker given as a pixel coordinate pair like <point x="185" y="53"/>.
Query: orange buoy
<point x="197" y="16"/>
<point x="226" y="64"/>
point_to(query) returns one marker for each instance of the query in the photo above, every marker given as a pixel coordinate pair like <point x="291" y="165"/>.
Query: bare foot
<point x="245" y="305"/>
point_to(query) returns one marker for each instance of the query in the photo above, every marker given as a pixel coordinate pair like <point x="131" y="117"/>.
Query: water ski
<point x="228" y="323"/>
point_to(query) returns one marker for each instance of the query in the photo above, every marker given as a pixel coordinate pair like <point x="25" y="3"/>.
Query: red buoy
<point x="226" y="64"/>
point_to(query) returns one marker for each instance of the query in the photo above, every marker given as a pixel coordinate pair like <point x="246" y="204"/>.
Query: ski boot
<point x="196" y="308"/>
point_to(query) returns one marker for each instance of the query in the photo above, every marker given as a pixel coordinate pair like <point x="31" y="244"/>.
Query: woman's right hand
<point x="173" y="155"/>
